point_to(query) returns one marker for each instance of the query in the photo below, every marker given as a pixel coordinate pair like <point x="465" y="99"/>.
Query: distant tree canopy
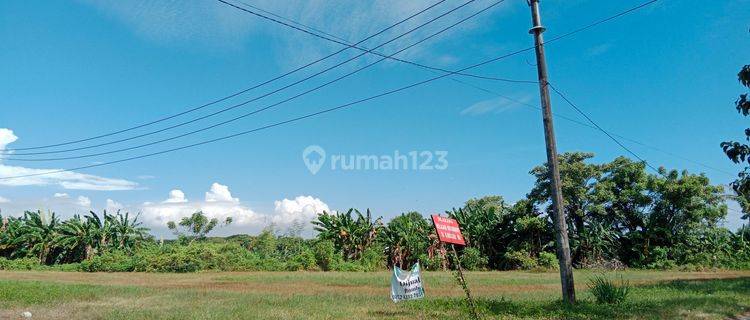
<point x="618" y="215"/>
<point x="196" y="226"/>
<point x="739" y="152"/>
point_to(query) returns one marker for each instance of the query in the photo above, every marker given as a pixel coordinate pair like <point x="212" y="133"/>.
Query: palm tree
<point x="350" y="235"/>
<point x="102" y="228"/>
<point x="126" y="231"/>
<point x="76" y="235"/>
<point x="10" y="234"/>
<point x="38" y="232"/>
<point x="405" y="238"/>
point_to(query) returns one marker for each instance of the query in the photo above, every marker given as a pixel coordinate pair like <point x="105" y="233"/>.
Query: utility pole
<point x="561" y="227"/>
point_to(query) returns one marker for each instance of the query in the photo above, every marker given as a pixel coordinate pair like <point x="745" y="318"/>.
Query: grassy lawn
<point x="299" y="295"/>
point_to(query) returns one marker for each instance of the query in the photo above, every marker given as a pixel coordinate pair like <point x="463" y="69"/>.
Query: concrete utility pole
<point x="561" y="227"/>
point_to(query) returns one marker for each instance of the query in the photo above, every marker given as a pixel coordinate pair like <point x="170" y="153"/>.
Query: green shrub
<point x="472" y="259"/>
<point x="303" y="261"/>
<point x="548" y="260"/>
<point x="372" y="259"/>
<point x="347" y="266"/>
<point x="20" y="264"/>
<point x="436" y="263"/>
<point x="659" y="259"/>
<point x="110" y="261"/>
<point x="606" y="291"/>
<point x="519" y="260"/>
<point x="325" y="255"/>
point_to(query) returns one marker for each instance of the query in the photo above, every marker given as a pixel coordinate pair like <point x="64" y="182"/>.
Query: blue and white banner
<point x="406" y="285"/>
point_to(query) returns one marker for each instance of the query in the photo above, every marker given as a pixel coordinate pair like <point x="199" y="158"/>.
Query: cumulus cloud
<point x="4" y="200"/>
<point x="83" y="202"/>
<point x="67" y="180"/>
<point x="219" y="203"/>
<point x="220" y="193"/>
<point x="61" y="195"/>
<point x="176" y="196"/>
<point x="301" y="209"/>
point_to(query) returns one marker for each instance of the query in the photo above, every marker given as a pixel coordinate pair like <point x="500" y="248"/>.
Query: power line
<point x="611" y="136"/>
<point x="272" y="105"/>
<point x="347" y="46"/>
<point x="600" y="128"/>
<point x="310" y="115"/>
<point x="509" y="98"/>
<point x="333" y="39"/>
<point x="243" y="103"/>
<point x="584" y="124"/>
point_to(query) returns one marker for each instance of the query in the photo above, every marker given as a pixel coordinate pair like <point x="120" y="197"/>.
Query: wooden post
<point x="558" y="217"/>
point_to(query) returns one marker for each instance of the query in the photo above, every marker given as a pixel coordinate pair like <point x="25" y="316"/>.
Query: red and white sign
<point x="447" y="230"/>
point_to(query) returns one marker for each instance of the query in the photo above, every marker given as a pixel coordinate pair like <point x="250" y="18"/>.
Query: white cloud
<point x="6" y="137"/>
<point x="67" y="180"/>
<point x="220" y="193"/>
<point x="494" y="106"/>
<point x="176" y="196"/>
<point x="83" y="202"/>
<point x="301" y="209"/>
<point x="61" y="195"/>
<point x="4" y="200"/>
<point x="114" y="206"/>
<point x="219" y="204"/>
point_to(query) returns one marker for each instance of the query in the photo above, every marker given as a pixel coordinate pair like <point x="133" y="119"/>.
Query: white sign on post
<point x="406" y="285"/>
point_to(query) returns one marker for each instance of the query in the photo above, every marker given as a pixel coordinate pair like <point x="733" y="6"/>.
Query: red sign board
<point x="447" y="230"/>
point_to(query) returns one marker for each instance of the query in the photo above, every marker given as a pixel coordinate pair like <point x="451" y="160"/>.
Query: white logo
<point x="314" y="157"/>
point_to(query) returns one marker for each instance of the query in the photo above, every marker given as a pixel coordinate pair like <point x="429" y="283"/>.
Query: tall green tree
<point x="405" y="238"/>
<point x="351" y="232"/>
<point x="127" y="231"/>
<point x="77" y="237"/>
<point x="578" y="179"/>
<point x="196" y="226"/>
<point x="739" y="152"/>
<point x="38" y="232"/>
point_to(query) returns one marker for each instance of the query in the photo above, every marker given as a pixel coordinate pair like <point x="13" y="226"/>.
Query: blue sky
<point x="664" y="76"/>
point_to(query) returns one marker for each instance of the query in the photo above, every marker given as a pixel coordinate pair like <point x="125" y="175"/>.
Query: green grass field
<point x="331" y="295"/>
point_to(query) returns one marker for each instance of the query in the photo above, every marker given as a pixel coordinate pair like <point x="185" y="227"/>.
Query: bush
<point x="372" y="259"/>
<point x="325" y="255"/>
<point x="659" y="259"/>
<point x="607" y="292"/>
<point x="20" y="264"/>
<point x="111" y="261"/>
<point x="519" y="260"/>
<point x="436" y="263"/>
<point x="303" y="261"/>
<point x="548" y="260"/>
<point x="472" y="259"/>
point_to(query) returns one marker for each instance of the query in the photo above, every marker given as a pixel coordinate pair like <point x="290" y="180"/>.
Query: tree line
<point x="619" y="215"/>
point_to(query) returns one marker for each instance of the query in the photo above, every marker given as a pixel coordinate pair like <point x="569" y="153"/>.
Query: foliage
<point x="472" y="259"/>
<point x="195" y="227"/>
<point x="351" y="232"/>
<point x="404" y="238"/>
<point x="607" y="292"/>
<point x="548" y="260"/>
<point x="739" y="152"/>
<point x="519" y="260"/>
<point x="620" y="216"/>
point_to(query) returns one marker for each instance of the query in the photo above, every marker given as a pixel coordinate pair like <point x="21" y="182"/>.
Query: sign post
<point x="448" y="231"/>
